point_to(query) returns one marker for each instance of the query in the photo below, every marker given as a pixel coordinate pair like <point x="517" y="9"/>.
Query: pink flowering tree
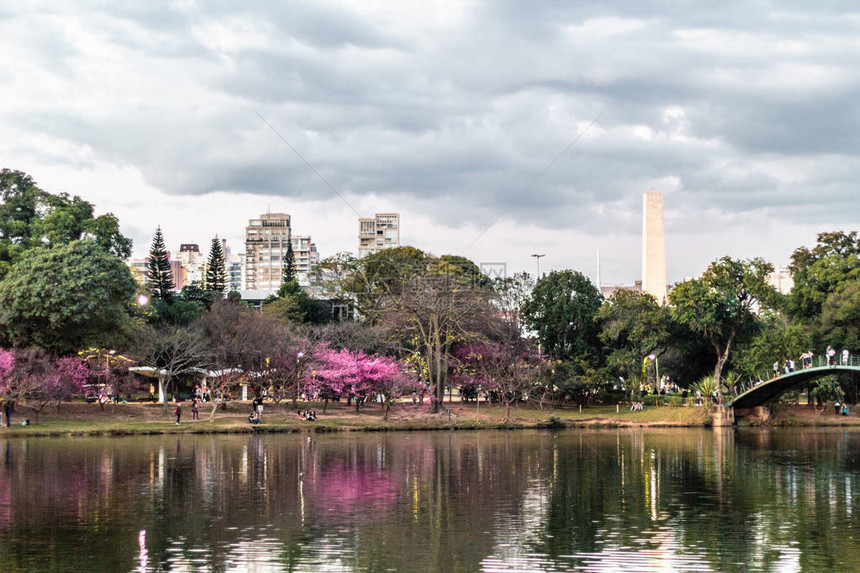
<point x="356" y="376"/>
<point x="66" y="378"/>
<point x="336" y="375"/>
<point x="43" y="380"/>
<point x="7" y="365"/>
<point x="387" y="379"/>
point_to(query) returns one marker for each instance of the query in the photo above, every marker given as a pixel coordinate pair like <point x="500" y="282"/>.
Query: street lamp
<point x="536" y="256"/>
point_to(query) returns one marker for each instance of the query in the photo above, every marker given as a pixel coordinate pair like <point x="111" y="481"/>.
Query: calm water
<point x="612" y="500"/>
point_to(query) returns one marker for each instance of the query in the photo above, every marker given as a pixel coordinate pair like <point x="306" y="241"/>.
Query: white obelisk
<point x="653" y="246"/>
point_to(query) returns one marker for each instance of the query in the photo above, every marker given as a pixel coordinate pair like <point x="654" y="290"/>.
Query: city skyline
<point x="477" y="122"/>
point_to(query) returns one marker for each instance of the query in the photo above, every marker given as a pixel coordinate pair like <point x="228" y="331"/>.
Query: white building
<point x="377" y="233"/>
<point x="266" y="241"/>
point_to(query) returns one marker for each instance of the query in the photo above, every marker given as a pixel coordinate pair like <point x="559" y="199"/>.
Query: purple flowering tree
<point x="387" y="379"/>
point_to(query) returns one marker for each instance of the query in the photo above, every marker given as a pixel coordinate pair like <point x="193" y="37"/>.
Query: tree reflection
<point x="724" y="500"/>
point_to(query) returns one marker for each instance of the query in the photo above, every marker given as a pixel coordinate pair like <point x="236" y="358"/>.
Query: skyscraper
<point x="653" y="246"/>
<point x="266" y="241"/>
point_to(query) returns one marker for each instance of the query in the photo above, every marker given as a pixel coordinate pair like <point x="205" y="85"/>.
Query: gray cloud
<point x="732" y="109"/>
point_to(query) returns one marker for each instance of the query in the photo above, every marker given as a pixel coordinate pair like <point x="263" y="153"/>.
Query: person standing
<point x="178" y="411"/>
<point x="8" y="406"/>
<point x="195" y="411"/>
<point x="845" y="356"/>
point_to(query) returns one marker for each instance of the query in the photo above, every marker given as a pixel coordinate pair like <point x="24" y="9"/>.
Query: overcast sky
<point x="745" y="115"/>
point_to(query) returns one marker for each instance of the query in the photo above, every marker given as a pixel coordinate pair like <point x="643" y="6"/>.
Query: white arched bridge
<point x="763" y="391"/>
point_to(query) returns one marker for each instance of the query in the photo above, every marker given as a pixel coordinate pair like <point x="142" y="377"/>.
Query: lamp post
<point x="538" y="257"/>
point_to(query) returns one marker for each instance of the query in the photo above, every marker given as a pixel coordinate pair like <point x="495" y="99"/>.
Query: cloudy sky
<point x="457" y="114"/>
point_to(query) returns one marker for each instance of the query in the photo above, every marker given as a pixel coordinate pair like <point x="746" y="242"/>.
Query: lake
<point x="570" y="500"/>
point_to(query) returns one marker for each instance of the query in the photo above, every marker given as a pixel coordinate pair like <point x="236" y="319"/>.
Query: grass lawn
<point x="79" y="418"/>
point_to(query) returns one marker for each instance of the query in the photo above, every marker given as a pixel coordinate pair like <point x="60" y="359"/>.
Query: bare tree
<point x="430" y="314"/>
<point x="173" y="351"/>
<point x="242" y="344"/>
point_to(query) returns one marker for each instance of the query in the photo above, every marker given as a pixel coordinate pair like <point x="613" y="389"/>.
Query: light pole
<point x="536" y="256"/>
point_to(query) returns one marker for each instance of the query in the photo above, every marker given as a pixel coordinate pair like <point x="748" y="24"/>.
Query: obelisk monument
<point x="653" y="246"/>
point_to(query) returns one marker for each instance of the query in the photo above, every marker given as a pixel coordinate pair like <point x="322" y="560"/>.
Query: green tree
<point x="374" y="279"/>
<point x="460" y="267"/>
<point x="66" y="298"/>
<point x="775" y="339"/>
<point x="839" y="324"/>
<point x="562" y="310"/>
<point x="158" y="273"/>
<point x="216" y="269"/>
<point x="820" y="271"/>
<point x="721" y="305"/>
<point x="825" y="293"/>
<point x="633" y="325"/>
<point x="32" y="218"/>
<point x="289" y="273"/>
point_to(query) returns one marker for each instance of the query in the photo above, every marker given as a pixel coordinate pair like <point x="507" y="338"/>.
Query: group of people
<point x="788" y="365"/>
<point x="307" y="415"/>
<point x="636" y="406"/>
<point x="202" y="394"/>
<point x="833" y="360"/>
<point x="840" y="408"/>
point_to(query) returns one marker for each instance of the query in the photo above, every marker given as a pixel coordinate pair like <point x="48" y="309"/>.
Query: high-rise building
<point x="653" y="246"/>
<point x="377" y="233"/>
<point x="266" y="241"/>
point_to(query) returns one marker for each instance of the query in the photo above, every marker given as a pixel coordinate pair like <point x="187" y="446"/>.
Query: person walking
<point x="195" y="411"/>
<point x="178" y="412"/>
<point x="845" y="357"/>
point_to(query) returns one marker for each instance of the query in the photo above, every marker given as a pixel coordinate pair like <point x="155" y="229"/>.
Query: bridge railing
<point x="818" y="361"/>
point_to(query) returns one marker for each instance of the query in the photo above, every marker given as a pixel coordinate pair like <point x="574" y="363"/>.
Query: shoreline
<point x="146" y="419"/>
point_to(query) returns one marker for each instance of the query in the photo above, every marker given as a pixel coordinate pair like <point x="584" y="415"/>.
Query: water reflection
<point x="668" y="500"/>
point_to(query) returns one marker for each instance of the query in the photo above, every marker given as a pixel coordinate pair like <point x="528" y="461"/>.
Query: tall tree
<point x="633" y="325"/>
<point x="32" y="218"/>
<point x="289" y="273"/>
<point x="820" y="271"/>
<point x="561" y="310"/>
<point x="66" y="298"/>
<point x="216" y="269"/>
<point x="158" y="273"/>
<point x="721" y="305"/>
<point x="172" y="351"/>
<point x="430" y="314"/>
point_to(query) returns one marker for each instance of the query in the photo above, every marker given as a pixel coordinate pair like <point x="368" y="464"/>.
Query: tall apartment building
<point x="266" y="241"/>
<point x="235" y="263"/>
<point x="306" y="256"/>
<point x="377" y="233"/>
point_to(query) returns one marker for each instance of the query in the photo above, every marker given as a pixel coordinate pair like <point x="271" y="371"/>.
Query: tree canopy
<point x="32" y="218"/>
<point x="721" y="304"/>
<point x="66" y="298"/>
<point x="561" y="311"/>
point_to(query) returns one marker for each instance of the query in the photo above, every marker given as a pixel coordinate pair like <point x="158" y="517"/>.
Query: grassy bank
<point x="80" y="419"/>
